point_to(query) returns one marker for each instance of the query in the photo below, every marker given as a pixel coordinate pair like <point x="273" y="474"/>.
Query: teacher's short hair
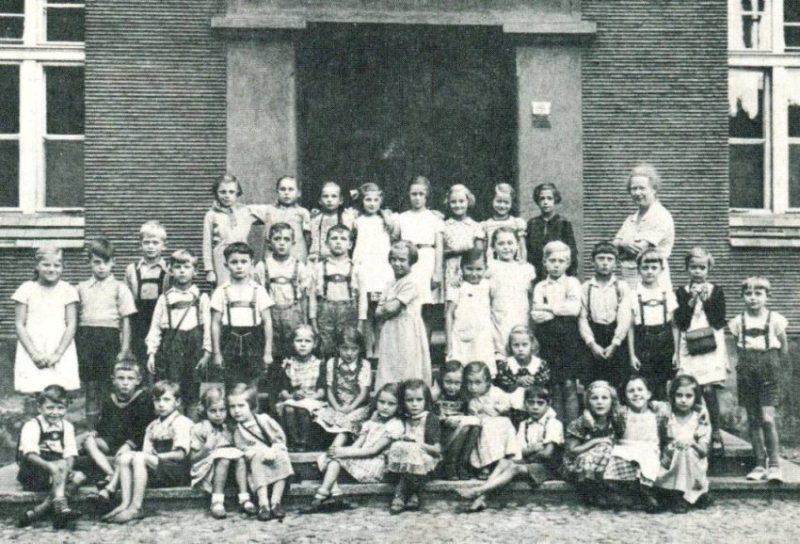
<point x="647" y="170"/>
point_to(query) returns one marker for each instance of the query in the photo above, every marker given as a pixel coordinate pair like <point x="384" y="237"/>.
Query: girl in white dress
<point x="45" y="320"/>
<point x="511" y="287"/>
<point x="375" y="229"/>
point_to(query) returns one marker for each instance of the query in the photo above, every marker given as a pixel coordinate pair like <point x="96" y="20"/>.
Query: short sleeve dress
<point x="45" y="322"/>
<point x="421" y="227"/>
<point x="459" y="237"/>
<point x="511" y="290"/>
<point x="517" y="224"/>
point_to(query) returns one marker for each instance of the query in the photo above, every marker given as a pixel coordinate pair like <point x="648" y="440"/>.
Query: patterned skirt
<point x="333" y="421"/>
<point x="589" y="465"/>
<point x="365" y="470"/>
<point x="409" y="458"/>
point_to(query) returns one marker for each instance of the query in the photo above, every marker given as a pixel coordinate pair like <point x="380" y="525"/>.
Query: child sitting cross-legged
<point x="541" y="437"/>
<point x="124" y="416"/>
<point x="46" y="453"/>
<point x="162" y="462"/>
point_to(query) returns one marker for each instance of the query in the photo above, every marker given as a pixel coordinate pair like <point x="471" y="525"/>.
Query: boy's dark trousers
<point x="179" y="353"/>
<point x="97" y="348"/>
<point x="242" y="353"/>
<point x="332" y="318"/>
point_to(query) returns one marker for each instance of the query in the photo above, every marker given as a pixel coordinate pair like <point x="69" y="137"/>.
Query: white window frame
<point x="33" y="55"/>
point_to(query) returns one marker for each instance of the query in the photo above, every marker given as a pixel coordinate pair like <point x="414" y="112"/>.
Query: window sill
<point x="62" y="228"/>
<point x="766" y="230"/>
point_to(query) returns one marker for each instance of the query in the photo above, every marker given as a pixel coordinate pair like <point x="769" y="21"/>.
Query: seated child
<point x="459" y="431"/>
<point x="589" y="441"/>
<point x="163" y="460"/>
<point x="212" y="453"/>
<point x="521" y="369"/>
<point x="541" y="437"/>
<point x="413" y="457"/>
<point x="302" y="391"/>
<point x="348" y="378"/>
<point x="264" y="446"/>
<point x="684" y="458"/>
<point x="124" y="416"/>
<point x="365" y="459"/>
<point x="492" y="406"/>
<point x="46" y="453"/>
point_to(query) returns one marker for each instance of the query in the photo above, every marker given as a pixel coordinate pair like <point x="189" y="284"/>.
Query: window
<point x="41" y="107"/>
<point x="764" y="106"/>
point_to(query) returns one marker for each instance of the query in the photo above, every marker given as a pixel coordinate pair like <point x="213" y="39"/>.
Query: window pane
<point x="64" y="171"/>
<point x="747" y="175"/>
<point x="65" y="24"/>
<point x="748" y="24"/>
<point x="791" y="36"/>
<point x="9" y="173"/>
<point x="64" y="100"/>
<point x="12" y="6"/>
<point x="791" y="11"/>
<point x="11" y="27"/>
<point x="9" y="99"/>
<point x="794" y="175"/>
<point x="746" y="104"/>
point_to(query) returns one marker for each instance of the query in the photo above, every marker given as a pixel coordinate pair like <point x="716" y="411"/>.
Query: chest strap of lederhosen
<point x="662" y="302"/>
<point x="185" y="305"/>
<point x="335" y="278"/>
<point x="755" y="332"/>
<point x="264" y="438"/>
<point x="294" y="281"/>
<point x="589" y="300"/>
<point x="139" y="281"/>
<point x="240" y="304"/>
<point x="42" y="438"/>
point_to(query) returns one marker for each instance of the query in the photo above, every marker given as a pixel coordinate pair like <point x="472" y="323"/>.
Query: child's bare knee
<point x="223" y="463"/>
<point x="77" y="478"/>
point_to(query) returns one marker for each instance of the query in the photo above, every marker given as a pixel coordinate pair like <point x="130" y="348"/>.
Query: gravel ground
<point x="728" y="521"/>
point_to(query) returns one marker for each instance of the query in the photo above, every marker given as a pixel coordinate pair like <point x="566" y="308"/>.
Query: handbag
<point x="700" y="341"/>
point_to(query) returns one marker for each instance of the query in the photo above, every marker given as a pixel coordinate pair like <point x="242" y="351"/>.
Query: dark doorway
<point x="383" y="103"/>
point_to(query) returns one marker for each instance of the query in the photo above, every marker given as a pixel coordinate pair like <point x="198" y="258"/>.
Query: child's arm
<point x="676" y="341"/>
<point x="20" y="315"/>
<point x="266" y="321"/>
<point x="208" y="250"/>
<point x="153" y="338"/>
<point x="571" y="306"/>
<point x="71" y="318"/>
<point x="319" y="394"/>
<point x="125" y="337"/>
<point x="389" y="309"/>
<point x="449" y="317"/>
<point x="635" y="363"/>
<point x="357" y="450"/>
<point x="585" y="330"/>
<point x="575" y="446"/>
<point x="216" y="326"/>
<point x="438" y="269"/>
<point x="363" y="395"/>
<point x="540" y="452"/>
<point x="312" y="297"/>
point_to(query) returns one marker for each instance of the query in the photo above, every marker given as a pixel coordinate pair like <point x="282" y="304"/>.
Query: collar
<point x="108" y="279"/>
<point x="548" y="415"/>
<point x="249" y="283"/>
<point x="514" y="366"/>
<point x="217" y="207"/>
<point x="50" y="426"/>
<point x="119" y="404"/>
<point x="553" y="217"/>
<point x="654" y="210"/>
<point x="562" y="280"/>
<point x="160" y="264"/>
<point x="344" y="364"/>
<point x="419" y="416"/>
<point x="167" y="420"/>
<point x="192" y="290"/>
<point x="593" y="281"/>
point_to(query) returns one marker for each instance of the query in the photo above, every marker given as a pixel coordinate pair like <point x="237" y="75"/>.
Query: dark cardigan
<point x="540" y="232"/>
<point x="714" y="308"/>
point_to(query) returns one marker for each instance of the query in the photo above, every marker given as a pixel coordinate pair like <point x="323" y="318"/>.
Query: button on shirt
<point x="184" y="319"/>
<point x="30" y="439"/>
<point x="104" y="302"/>
<point x="609" y="303"/>
<point x="563" y="295"/>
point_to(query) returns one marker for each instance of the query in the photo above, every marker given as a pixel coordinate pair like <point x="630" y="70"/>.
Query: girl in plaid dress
<point x="590" y="439"/>
<point x="303" y="388"/>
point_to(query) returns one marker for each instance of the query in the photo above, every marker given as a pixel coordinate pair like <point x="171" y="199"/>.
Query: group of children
<point x="330" y="331"/>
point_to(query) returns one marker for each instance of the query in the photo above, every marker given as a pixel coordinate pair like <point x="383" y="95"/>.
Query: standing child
<point x="684" y="459"/>
<point x="605" y="319"/>
<point x="469" y="317"/>
<point x="333" y="213"/>
<point x="460" y="432"/>
<point x="264" y="445"/>
<point x="104" y="328"/>
<point x="45" y="318"/>
<point x="651" y="340"/>
<point x="147" y="279"/>
<point x="541" y="437"/>
<point x="492" y="406"/>
<point x="415" y="454"/>
<point x="226" y="222"/>
<point x="302" y="390"/>
<point x="125" y="414"/>
<point x="556" y="306"/>
<point x="287" y="282"/>
<point x="241" y="324"/>
<point x="635" y="458"/>
<point x="289" y="211"/>
<point x="590" y="439"/>
<point x="461" y="234"/>
<point x="423" y="228"/>
<point x="549" y="226"/>
<point x="511" y="283"/>
<point x="45" y="454"/>
<point x="502" y="204"/>
<point x="180" y="334"/>
<point x="212" y="453"/>
<point x="348" y="378"/>
<point x="700" y="321"/>
<point x="403" y="342"/>
<point x="365" y="459"/>
<point x="522" y="368"/>
<point x="761" y="342"/>
<point x="333" y="302"/>
<point x="163" y="461"/>
<point x="375" y="229"/>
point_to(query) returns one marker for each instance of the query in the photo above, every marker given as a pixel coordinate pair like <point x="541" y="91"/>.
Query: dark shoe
<point x="464" y="473"/>
<point x="28" y="518"/>
<point x="102" y="484"/>
<point x="278" y="512"/>
<point x="704" y="501"/>
<point x="680" y="506"/>
<point x="263" y="513"/>
<point x="248" y="507"/>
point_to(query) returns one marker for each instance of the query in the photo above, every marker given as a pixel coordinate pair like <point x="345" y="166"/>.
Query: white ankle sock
<point x="243" y="497"/>
<point x="217" y="498"/>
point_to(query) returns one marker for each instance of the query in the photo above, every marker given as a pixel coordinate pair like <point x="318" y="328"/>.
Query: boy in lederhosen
<point x="333" y="300"/>
<point x="180" y="332"/>
<point x="605" y="319"/>
<point x="147" y="279"/>
<point x="241" y="324"/>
